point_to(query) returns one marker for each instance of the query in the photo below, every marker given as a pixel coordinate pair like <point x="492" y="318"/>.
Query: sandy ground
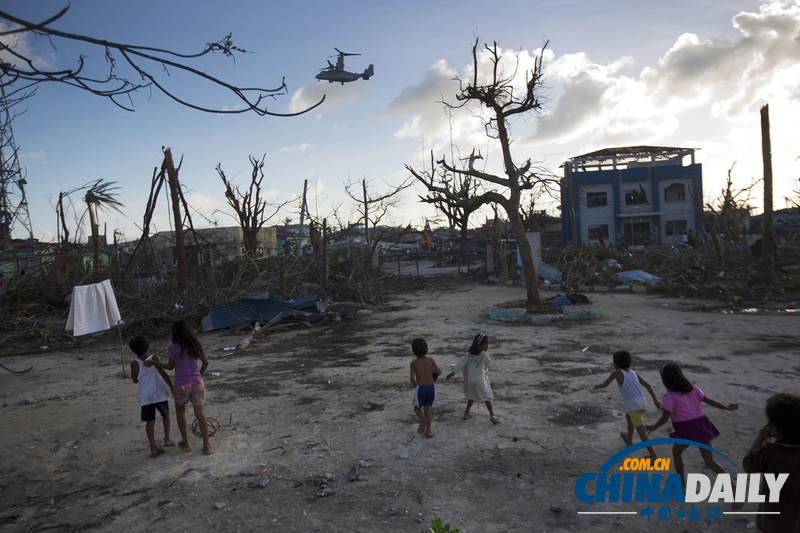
<point x="311" y="407"/>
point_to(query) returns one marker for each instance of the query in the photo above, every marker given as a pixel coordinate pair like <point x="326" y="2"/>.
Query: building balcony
<point x="637" y="209"/>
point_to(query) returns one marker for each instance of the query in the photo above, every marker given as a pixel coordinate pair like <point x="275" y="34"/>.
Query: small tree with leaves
<point x="99" y="197"/>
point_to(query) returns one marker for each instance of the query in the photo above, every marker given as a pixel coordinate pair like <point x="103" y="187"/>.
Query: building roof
<point x="625" y="155"/>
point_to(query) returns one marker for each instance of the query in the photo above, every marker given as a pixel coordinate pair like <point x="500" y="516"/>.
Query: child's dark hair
<point x="783" y="412"/>
<point x="622" y="359"/>
<point x="479" y="339"/>
<point x="419" y="347"/>
<point x="674" y="379"/>
<point x="183" y="336"/>
<point x="139" y="344"/>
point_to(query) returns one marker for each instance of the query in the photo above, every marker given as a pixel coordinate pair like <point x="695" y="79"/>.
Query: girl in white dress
<point x="475" y="366"/>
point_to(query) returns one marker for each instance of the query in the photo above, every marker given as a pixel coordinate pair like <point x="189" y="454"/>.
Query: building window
<point x="598" y="232"/>
<point x="675" y="193"/>
<point x="675" y="227"/>
<point x="596" y="199"/>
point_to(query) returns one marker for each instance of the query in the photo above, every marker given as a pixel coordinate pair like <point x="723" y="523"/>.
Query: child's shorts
<point x="194" y="392"/>
<point x="424" y="395"/>
<point x="149" y="410"/>
<point x="637" y="417"/>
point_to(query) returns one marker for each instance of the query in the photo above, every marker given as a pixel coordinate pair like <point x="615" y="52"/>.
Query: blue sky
<point x="619" y="73"/>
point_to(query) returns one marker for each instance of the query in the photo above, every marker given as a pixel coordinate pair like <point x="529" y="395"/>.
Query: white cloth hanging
<point x="93" y="308"/>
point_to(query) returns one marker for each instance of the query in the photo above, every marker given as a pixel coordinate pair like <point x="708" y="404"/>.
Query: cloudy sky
<point x="618" y="73"/>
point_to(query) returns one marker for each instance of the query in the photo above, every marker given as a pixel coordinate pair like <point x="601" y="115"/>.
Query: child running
<point x="779" y="457"/>
<point x="424" y="372"/>
<point x="475" y="366"/>
<point x="630" y="387"/>
<point x="183" y="355"/>
<point x="683" y="406"/>
<point x="154" y="386"/>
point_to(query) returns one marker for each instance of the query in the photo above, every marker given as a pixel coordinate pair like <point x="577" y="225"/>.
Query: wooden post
<point x="324" y="273"/>
<point x="368" y="249"/>
<point x="571" y="211"/>
<point x="283" y="276"/>
<point x="180" y="245"/>
<point x="768" y="249"/>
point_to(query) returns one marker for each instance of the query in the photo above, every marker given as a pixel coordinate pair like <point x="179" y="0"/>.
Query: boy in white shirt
<point x="630" y="387"/>
<point x="154" y="392"/>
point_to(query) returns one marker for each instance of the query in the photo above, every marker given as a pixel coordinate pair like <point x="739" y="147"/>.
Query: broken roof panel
<point x="623" y="156"/>
<point x="242" y="311"/>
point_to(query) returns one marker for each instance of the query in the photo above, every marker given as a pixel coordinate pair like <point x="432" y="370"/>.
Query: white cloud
<point x="28" y="156"/>
<point x="336" y="95"/>
<point x="43" y="58"/>
<point x="298" y="148"/>
<point x="422" y="103"/>
<point x="430" y="120"/>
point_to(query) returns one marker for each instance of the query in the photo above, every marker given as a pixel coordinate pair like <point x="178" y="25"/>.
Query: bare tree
<point x="498" y="96"/>
<point x="250" y="205"/>
<point x="148" y="68"/>
<point x="456" y="210"/>
<point x="726" y="214"/>
<point x="372" y="207"/>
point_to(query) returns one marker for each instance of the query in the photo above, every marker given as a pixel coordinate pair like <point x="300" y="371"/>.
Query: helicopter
<point x="338" y="73"/>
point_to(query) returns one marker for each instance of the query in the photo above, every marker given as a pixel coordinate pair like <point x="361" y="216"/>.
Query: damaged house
<point x="212" y="246"/>
<point x="631" y="196"/>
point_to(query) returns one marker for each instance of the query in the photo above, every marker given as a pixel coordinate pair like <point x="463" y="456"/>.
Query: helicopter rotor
<point x="343" y="53"/>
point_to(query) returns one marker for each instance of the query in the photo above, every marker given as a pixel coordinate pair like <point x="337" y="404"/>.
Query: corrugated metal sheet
<point x="299" y="303"/>
<point x="243" y="311"/>
<point x="551" y="274"/>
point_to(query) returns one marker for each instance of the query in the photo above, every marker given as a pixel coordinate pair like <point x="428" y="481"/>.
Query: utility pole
<point x="303" y="206"/>
<point x="768" y="248"/>
<point x="180" y="245"/>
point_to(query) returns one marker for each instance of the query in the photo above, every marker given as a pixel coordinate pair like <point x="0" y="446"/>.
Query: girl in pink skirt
<point x="683" y="406"/>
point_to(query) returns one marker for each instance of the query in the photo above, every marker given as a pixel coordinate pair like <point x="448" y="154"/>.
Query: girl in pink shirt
<point x="683" y="406"/>
<point x="184" y="355"/>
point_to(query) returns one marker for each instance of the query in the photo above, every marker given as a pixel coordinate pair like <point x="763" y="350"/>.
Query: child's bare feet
<point x="421" y="428"/>
<point x="625" y="438"/>
<point x="429" y="434"/>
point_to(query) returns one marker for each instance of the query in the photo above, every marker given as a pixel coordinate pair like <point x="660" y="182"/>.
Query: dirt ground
<point x="309" y="409"/>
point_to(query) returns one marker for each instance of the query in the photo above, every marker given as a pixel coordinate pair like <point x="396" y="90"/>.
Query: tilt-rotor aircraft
<point x="337" y="73"/>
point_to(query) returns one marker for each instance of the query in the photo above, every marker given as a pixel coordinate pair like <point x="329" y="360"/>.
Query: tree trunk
<point x="368" y="249"/>
<point x="95" y="240"/>
<point x="768" y="249"/>
<point x="180" y="245"/>
<point x="324" y="263"/>
<point x="533" y="297"/>
<point x="717" y="245"/>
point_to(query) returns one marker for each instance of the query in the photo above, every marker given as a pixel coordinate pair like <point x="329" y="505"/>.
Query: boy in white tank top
<point x="630" y="387"/>
<point x="154" y="389"/>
